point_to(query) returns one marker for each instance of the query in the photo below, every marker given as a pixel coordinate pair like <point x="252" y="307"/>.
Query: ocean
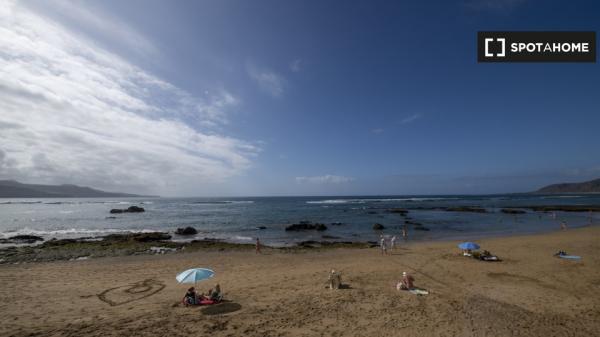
<point x="238" y="219"/>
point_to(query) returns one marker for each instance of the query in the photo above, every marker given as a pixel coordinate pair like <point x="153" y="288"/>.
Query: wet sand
<point x="282" y="293"/>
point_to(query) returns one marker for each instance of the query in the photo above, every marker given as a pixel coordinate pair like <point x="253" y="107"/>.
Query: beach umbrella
<point x="194" y="275"/>
<point x="468" y="245"/>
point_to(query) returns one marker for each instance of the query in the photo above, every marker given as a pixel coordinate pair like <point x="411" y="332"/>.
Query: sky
<point x="259" y="98"/>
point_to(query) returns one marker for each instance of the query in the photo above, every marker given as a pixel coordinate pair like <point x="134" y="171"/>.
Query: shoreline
<point x="154" y="243"/>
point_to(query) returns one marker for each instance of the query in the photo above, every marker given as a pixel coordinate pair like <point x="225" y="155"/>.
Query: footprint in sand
<point x="131" y="292"/>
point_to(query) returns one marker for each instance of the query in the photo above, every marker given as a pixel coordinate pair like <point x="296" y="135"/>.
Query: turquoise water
<point x="237" y="219"/>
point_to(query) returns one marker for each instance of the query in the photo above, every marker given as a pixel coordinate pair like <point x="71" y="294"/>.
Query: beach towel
<point x="418" y="291"/>
<point x="570" y="257"/>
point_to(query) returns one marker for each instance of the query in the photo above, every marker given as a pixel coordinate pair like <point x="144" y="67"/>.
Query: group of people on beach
<point x="193" y="298"/>
<point x="384" y="244"/>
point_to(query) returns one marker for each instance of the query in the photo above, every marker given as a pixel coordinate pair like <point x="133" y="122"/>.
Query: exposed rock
<point x="400" y="211"/>
<point x="371" y="212"/>
<point x="473" y="209"/>
<point x="306" y="225"/>
<point x="330" y="237"/>
<point x="512" y="211"/>
<point x="140" y="237"/>
<point x="564" y="208"/>
<point x="186" y="231"/>
<point x="111" y="217"/>
<point x="261" y="227"/>
<point x="378" y="227"/>
<point x="130" y="209"/>
<point x="20" y="239"/>
<point x="421" y="228"/>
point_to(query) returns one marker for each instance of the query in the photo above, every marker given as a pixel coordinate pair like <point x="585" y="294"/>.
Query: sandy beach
<point x="282" y="293"/>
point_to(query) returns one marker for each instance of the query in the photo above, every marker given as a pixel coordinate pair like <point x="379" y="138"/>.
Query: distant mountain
<point x="592" y="186"/>
<point x="15" y="189"/>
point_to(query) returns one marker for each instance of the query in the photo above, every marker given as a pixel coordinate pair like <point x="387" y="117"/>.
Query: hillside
<point x="14" y="189"/>
<point x="592" y="186"/>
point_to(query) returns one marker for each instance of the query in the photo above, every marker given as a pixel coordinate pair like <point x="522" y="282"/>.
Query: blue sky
<point x="291" y="98"/>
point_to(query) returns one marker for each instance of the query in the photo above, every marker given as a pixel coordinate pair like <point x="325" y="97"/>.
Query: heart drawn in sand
<point x="131" y="292"/>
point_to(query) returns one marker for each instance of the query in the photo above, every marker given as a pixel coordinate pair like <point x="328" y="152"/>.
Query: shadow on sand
<point x="221" y="308"/>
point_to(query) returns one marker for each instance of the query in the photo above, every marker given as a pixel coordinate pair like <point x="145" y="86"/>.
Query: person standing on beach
<point x="383" y="247"/>
<point x="392" y="243"/>
<point x="404" y="232"/>
<point x="563" y="226"/>
<point x="257" y="246"/>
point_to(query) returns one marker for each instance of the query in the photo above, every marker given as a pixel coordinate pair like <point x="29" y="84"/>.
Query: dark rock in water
<point x="512" y="211"/>
<point x="371" y="212"/>
<point x="564" y="208"/>
<point x="306" y="225"/>
<point x="331" y="237"/>
<point x="378" y="227"/>
<point x="261" y="227"/>
<point x="131" y="209"/>
<point x="140" y="237"/>
<point x="421" y="228"/>
<point x="466" y="209"/>
<point x="336" y="223"/>
<point x="400" y="211"/>
<point x="20" y="239"/>
<point x="111" y="217"/>
<point x="186" y="231"/>
<point x="60" y="242"/>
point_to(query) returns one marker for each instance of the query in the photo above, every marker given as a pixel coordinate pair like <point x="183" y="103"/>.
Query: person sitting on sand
<point x="406" y="283"/>
<point x="335" y="280"/>
<point x="215" y="295"/>
<point x="190" y="298"/>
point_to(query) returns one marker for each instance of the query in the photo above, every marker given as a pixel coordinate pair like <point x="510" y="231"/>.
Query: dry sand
<point x="530" y="293"/>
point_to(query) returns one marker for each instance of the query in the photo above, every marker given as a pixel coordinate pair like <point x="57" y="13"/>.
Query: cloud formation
<point x="324" y="179"/>
<point x="73" y="112"/>
<point x="411" y="118"/>
<point x="296" y="65"/>
<point x="268" y="81"/>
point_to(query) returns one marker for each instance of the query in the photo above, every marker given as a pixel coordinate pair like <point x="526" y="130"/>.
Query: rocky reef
<point x="186" y="231"/>
<point x="131" y="209"/>
<point x="305" y="226"/>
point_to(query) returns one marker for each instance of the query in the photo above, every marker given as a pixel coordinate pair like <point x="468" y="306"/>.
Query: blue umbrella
<point x="468" y="245"/>
<point x="194" y="275"/>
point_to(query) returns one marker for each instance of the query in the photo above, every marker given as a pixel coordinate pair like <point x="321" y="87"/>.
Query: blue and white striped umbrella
<point x="194" y="275"/>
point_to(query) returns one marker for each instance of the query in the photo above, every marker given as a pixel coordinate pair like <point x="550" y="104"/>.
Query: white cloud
<point x="411" y="118"/>
<point x="72" y="112"/>
<point x="325" y="179"/>
<point x="267" y="80"/>
<point x="94" y="21"/>
<point x="296" y="65"/>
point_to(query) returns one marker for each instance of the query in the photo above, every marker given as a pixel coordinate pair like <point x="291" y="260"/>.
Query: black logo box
<point x="495" y="46"/>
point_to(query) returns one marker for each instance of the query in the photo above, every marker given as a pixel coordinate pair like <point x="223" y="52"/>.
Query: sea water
<point x="239" y="219"/>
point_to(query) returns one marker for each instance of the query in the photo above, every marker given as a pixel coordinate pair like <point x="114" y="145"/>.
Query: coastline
<point x="282" y="291"/>
<point x="154" y="243"/>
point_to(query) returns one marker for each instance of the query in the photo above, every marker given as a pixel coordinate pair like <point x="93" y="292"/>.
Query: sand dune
<point x="280" y="293"/>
